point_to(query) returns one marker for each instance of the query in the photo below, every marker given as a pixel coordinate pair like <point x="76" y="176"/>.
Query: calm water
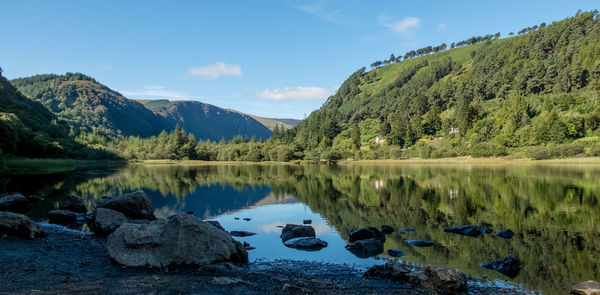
<point x="554" y="210"/>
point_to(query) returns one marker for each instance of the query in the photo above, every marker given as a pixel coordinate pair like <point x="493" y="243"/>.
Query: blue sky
<point x="268" y="58"/>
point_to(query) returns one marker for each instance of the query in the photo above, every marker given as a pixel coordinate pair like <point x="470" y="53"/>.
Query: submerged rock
<point x="305" y="243"/>
<point x="365" y="233"/>
<point x="106" y="221"/>
<point x="508" y="266"/>
<point x="465" y="230"/>
<point x="506" y="234"/>
<point x="421" y="243"/>
<point x="65" y="217"/>
<point x="19" y="225"/>
<point x="586" y="288"/>
<point x="181" y="240"/>
<point x="365" y="248"/>
<point x="14" y="202"/>
<point x="291" y="231"/>
<point x="135" y="205"/>
<point x="241" y="233"/>
<point x="386" y="229"/>
<point x="395" y="252"/>
<point x="73" y="203"/>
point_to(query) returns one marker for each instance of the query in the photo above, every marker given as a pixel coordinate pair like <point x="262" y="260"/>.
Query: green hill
<point x="499" y="96"/>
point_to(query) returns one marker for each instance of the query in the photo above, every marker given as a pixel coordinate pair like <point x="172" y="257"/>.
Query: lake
<point x="553" y="209"/>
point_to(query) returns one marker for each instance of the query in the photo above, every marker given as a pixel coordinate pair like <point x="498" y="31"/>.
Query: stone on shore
<point x="291" y="231"/>
<point x="365" y="233"/>
<point x="395" y="252"/>
<point x="19" y="225"/>
<point x="391" y="271"/>
<point x="181" y="240"/>
<point x="366" y="248"/>
<point x="306" y="243"/>
<point x="64" y="217"/>
<point x="105" y="221"/>
<point x="73" y="203"/>
<point x="508" y="266"/>
<point x="135" y="205"/>
<point x="14" y="202"/>
<point x="444" y="278"/>
<point x="586" y="288"/>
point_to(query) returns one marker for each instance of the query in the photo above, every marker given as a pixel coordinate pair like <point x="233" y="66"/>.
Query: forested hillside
<point x="535" y="94"/>
<point x="28" y="129"/>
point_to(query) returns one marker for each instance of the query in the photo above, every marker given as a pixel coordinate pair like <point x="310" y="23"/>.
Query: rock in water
<point x="241" y="233"/>
<point x="134" y="205"/>
<point x="366" y="248"/>
<point x="395" y="252"/>
<point x="586" y="288"/>
<point x="14" y="203"/>
<point x="73" y="203"/>
<point x="181" y="240"/>
<point x="420" y="243"/>
<point x="507" y="233"/>
<point x="19" y="225"/>
<point x="305" y="243"/>
<point x="508" y="266"/>
<point x="307" y="221"/>
<point x="444" y="278"/>
<point x="291" y="231"/>
<point x="407" y="229"/>
<point x="465" y="230"/>
<point x="64" y="217"/>
<point x="365" y="233"/>
<point x="386" y="229"/>
<point x="106" y="221"/>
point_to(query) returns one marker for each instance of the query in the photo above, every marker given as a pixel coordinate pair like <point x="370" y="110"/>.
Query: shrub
<point x="488" y="149"/>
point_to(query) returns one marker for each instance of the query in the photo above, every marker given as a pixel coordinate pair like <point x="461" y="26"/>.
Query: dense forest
<point x="531" y="95"/>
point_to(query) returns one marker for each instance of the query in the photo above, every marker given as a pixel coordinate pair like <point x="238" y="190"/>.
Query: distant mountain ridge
<point x="285" y="123"/>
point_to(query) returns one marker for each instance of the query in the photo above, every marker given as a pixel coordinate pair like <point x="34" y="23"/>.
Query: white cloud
<point x="442" y="26"/>
<point x="300" y="92"/>
<point x="215" y="70"/>
<point x="155" y="91"/>
<point x="402" y="26"/>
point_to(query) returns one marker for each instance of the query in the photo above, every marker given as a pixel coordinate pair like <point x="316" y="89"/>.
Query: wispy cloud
<point x="442" y="26"/>
<point x="215" y="70"/>
<point x="329" y="11"/>
<point x="289" y="93"/>
<point x="403" y="26"/>
<point x="155" y="92"/>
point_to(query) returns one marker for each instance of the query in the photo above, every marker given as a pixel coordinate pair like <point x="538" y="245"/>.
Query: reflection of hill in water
<point x="555" y="210"/>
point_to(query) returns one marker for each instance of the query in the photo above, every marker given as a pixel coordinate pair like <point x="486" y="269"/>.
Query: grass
<point x="471" y="160"/>
<point x="51" y="166"/>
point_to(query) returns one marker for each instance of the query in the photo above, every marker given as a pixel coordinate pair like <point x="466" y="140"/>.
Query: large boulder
<point x="106" y="221"/>
<point x="586" y="288"/>
<point x="135" y="205"/>
<point x="291" y="231"/>
<point x="365" y="248"/>
<point x="306" y="243"/>
<point x="73" y="203"/>
<point x="365" y="233"/>
<point x="508" y="266"/>
<point x="444" y="278"/>
<point x="180" y="240"/>
<point x="466" y="230"/>
<point x="14" y="202"/>
<point x="65" y="217"/>
<point x="19" y="225"/>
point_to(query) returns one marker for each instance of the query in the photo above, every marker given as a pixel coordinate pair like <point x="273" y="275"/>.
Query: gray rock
<point x="506" y="234"/>
<point x="444" y="278"/>
<point x="216" y="224"/>
<point x="134" y="205"/>
<point x="14" y="203"/>
<point x="305" y="243"/>
<point x="291" y="231"/>
<point x="586" y="288"/>
<point x="181" y="240"/>
<point x="19" y="225"/>
<point x="64" y="217"/>
<point x="421" y="243"/>
<point x="395" y="252"/>
<point x="241" y="233"/>
<point x="106" y="221"/>
<point x="365" y="233"/>
<point x="73" y="203"/>
<point x="391" y="271"/>
<point x="365" y="248"/>
<point x="509" y="266"/>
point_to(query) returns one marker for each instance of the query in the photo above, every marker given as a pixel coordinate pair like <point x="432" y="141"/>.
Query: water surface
<point x="553" y="209"/>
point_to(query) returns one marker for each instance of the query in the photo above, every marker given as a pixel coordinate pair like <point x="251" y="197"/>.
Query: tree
<point x="355" y="135"/>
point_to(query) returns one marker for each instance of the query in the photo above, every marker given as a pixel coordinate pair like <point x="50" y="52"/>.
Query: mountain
<point x="30" y="130"/>
<point x="495" y="96"/>
<point x="88" y="105"/>
<point x="270" y="123"/>
<point x="206" y="121"/>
